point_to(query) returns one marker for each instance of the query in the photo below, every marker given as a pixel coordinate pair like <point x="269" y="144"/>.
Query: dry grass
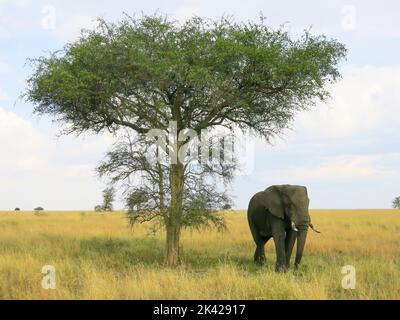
<point x="99" y="257"/>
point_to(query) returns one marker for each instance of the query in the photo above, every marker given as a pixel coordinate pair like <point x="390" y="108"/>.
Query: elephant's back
<point x="255" y="199"/>
<point x="256" y="204"/>
<point x="258" y="217"/>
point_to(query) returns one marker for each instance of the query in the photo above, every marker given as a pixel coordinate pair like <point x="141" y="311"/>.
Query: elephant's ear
<point x="274" y="203"/>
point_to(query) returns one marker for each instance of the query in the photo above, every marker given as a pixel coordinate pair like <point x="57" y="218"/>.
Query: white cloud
<point x="70" y="27"/>
<point x="6" y="18"/>
<point x="182" y="14"/>
<point x="366" y="100"/>
<point x="3" y="67"/>
<point x="349" y="167"/>
<point x="4" y="34"/>
<point x="21" y="3"/>
<point x="3" y="95"/>
<point x="39" y="170"/>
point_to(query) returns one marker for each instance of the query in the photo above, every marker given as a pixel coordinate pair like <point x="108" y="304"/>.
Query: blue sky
<point x="345" y="151"/>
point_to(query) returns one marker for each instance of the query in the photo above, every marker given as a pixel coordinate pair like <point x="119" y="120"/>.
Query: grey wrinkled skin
<point x="281" y="213"/>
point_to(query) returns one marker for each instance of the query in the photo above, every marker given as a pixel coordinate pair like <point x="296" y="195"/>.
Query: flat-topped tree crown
<point x="142" y="73"/>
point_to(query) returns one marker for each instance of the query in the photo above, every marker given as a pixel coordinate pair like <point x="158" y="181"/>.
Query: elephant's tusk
<point x="294" y="227"/>
<point x="315" y="229"/>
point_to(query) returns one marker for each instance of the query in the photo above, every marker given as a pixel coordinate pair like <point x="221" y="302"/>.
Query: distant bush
<point x="396" y="203"/>
<point x="38" y="209"/>
<point x="17" y="209"/>
<point x="98" y="208"/>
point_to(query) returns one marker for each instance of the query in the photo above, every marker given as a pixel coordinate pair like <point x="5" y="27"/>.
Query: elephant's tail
<point x="315" y="229"/>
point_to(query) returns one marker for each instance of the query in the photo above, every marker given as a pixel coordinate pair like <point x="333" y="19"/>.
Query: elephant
<point x="282" y="213"/>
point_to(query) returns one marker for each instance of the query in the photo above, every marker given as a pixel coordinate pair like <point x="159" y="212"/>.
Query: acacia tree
<point x="142" y="73"/>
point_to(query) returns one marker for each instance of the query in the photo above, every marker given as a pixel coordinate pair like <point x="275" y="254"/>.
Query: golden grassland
<point x="98" y="256"/>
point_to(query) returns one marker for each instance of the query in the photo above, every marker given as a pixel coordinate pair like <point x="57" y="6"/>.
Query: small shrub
<point x="227" y="207"/>
<point x="396" y="203"/>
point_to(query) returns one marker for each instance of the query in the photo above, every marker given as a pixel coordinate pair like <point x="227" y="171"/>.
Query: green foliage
<point x="396" y="203"/>
<point x="227" y="207"/>
<point x="142" y="72"/>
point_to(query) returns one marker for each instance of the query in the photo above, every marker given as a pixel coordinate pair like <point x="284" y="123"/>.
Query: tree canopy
<point x="141" y="73"/>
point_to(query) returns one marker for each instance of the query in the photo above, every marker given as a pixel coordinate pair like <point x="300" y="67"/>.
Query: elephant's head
<point x="291" y="203"/>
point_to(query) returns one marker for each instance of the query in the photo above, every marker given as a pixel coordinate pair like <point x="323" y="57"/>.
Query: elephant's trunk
<point x="301" y="242"/>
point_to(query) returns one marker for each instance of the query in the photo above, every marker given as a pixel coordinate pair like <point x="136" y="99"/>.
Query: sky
<point x="345" y="151"/>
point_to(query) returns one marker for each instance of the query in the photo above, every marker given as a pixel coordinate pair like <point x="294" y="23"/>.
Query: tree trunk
<point x="174" y="220"/>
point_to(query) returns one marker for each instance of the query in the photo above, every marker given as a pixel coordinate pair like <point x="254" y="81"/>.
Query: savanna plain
<point x="99" y="256"/>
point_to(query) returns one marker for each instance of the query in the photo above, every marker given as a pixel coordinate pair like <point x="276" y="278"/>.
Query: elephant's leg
<point x="259" y="256"/>
<point x="279" y="234"/>
<point x="289" y="244"/>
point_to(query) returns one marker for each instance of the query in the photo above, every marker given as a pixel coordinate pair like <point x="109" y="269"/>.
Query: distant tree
<point x="39" y="209"/>
<point x="108" y="199"/>
<point x="396" y="203"/>
<point x="98" y="208"/>
<point x="17" y="209"/>
<point x="142" y="73"/>
<point x="227" y="207"/>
